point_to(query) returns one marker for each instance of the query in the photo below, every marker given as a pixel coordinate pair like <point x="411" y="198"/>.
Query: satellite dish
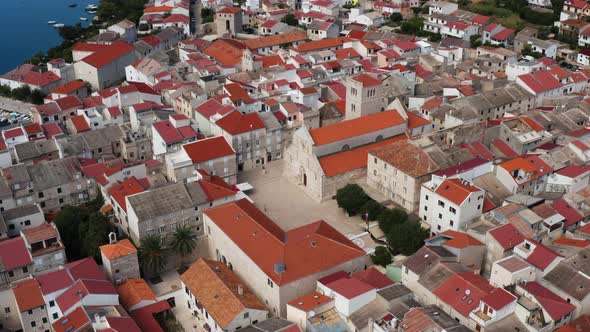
<point x="467" y="292"/>
<point x="311" y="313"/>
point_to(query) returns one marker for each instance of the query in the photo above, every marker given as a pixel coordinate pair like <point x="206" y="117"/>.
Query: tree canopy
<point x="406" y="237"/>
<point x="381" y="256"/>
<point x="351" y="198"/>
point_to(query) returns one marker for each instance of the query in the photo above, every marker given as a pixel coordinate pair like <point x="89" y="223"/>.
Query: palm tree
<point x="184" y="241"/>
<point x="152" y="254"/>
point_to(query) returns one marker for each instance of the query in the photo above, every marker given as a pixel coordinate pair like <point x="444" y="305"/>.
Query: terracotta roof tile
<point x="119" y="249"/>
<point x="134" y="291"/>
<point x="356" y="127"/>
<point x="455" y="190"/>
<point x="407" y="157"/>
<point x="208" y="149"/>
<point x="217" y="289"/>
<point x="28" y="295"/>
<point x="303" y="251"/>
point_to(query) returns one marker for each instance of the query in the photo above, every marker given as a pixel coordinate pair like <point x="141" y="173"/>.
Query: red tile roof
<point x="460" y="240"/>
<point x="40" y="79"/>
<point x="366" y="80"/>
<point x="573" y="171"/>
<point x="275" y="40"/>
<point x="79" y="122"/>
<point x="33" y="128"/>
<point x="504" y="148"/>
<point x="28" y="295"/>
<point x="318" y="45"/>
<point x="416" y="121"/>
<point x="81" y="289"/>
<point x="119" y="249"/>
<point x="236" y="123"/>
<point x="51" y="130"/>
<point x="581" y="323"/>
<point x="373" y="277"/>
<point x="503" y="35"/>
<point x="463" y="291"/>
<point x="171" y="134"/>
<point x="355" y="127"/>
<point x="530" y="164"/>
<point x="69" y="87"/>
<point x="156" y="9"/>
<point x="540" y="81"/>
<point x="555" y="306"/>
<point x="566" y="241"/>
<point x="212" y="107"/>
<point x="349" y="288"/>
<point x="208" y="149"/>
<point x="144" y="316"/>
<point x="229" y="10"/>
<point x="215" y="188"/>
<point x="85" y="268"/>
<point x="54" y="281"/>
<point x="75" y="321"/>
<point x="108" y="55"/>
<point x="68" y="102"/>
<point x="302" y="251"/>
<point x="455" y="190"/>
<point x="353" y="159"/>
<point x="507" y="236"/>
<point x="128" y="187"/>
<point x="15" y="132"/>
<point x="14" y="253"/>
<point x="498" y="299"/>
<point x="542" y="257"/>
<point x="310" y="301"/>
<point x="567" y="211"/>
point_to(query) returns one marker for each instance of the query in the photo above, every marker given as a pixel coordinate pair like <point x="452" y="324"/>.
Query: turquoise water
<point x="24" y="30"/>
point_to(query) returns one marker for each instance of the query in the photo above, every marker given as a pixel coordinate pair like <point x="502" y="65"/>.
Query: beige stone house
<point x="398" y="169"/>
<point x="277" y="265"/>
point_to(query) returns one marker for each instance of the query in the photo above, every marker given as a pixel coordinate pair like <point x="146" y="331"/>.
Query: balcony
<point x="479" y="317"/>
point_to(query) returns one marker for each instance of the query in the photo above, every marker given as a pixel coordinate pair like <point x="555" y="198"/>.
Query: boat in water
<point x="59" y="25"/>
<point x="72" y="5"/>
<point x="91" y="7"/>
<point x="51" y="22"/>
<point x="83" y="19"/>
<point x="92" y="11"/>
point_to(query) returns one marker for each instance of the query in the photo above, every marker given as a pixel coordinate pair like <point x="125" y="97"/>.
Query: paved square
<point x="290" y="207"/>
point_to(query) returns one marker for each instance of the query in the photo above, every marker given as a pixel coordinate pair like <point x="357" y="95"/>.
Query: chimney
<point x="112" y="238"/>
<point x="240" y="290"/>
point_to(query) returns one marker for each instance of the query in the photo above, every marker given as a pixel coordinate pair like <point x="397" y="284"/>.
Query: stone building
<point x="119" y="259"/>
<point x="228" y="20"/>
<point x="364" y="96"/>
<point x="322" y="160"/>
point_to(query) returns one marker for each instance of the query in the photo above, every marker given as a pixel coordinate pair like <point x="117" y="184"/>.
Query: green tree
<point x="371" y="208"/>
<point x="351" y="198"/>
<point x="290" y="19"/>
<point x="5" y="91"/>
<point x="22" y="93"/>
<point x="390" y="217"/>
<point x="412" y="26"/>
<point x="475" y="41"/>
<point x="68" y="223"/>
<point x="184" y="241"/>
<point x="37" y="97"/>
<point x="152" y="254"/>
<point x="381" y="256"/>
<point x="406" y="238"/>
<point x="94" y="232"/>
<point x="395" y="17"/>
<point x="207" y="15"/>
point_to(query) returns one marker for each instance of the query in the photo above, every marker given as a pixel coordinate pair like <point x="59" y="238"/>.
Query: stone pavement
<point x="16" y="106"/>
<point x="290" y="207"/>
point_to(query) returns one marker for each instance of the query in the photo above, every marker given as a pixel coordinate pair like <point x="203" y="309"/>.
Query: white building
<point x="450" y="204"/>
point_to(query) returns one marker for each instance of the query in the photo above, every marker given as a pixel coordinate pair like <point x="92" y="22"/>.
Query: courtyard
<point x="290" y="207"/>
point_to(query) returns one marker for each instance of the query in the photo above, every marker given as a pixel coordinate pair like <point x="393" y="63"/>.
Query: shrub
<point x="381" y="256"/>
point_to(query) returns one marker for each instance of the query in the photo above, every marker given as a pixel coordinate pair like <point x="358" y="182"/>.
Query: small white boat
<point x="59" y="25"/>
<point x="92" y="7"/>
<point x="51" y="22"/>
<point x="92" y="11"/>
<point x="83" y="19"/>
